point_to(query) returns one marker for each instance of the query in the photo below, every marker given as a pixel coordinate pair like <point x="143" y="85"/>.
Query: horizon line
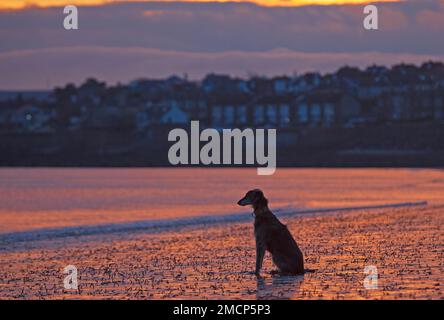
<point x="199" y="79"/>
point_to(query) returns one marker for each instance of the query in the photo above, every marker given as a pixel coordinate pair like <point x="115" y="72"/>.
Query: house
<point x="306" y="82"/>
<point x="90" y="93"/>
<point x="272" y="110"/>
<point x="371" y="91"/>
<point x="229" y="111"/>
<point x="219" y="84"/>
<point x="411" y="106"/>
<point x="281" y="85"/>
<point x="141" y="119"/>
<point x="175" y="115"/>
<point x="243" y="86"/>
<point x="147" y="86"/>
<point x="327" y="108"/>
<point x="259" y="117"/>
<point x="31" y="118"/>
<point x="377" y="71"/>
<point x="261" y="86"/>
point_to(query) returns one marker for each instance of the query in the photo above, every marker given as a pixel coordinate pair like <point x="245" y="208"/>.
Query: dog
<point x="272" y="236"/>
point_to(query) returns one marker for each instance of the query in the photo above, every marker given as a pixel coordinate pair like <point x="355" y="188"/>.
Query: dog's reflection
<point x="278" y="287"/>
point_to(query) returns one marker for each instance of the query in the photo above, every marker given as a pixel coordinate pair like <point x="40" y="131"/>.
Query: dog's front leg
<point x="260" y="253"/>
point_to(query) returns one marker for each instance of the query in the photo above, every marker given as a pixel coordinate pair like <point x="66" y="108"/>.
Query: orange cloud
<point x="19" y="4"/>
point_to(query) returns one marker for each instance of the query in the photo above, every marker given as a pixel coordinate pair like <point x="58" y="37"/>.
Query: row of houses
<point x="316" y="109"/>
<point x="326" y="108"/>
<point x="348" y="97"/>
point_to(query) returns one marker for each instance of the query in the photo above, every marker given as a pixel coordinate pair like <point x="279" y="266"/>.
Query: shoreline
<point x="174" y="225"/>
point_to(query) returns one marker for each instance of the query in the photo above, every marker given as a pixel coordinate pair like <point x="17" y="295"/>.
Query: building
<point x="175" y="115"/>
<point x="229" y="111"/>
<point x="272" y="111"/>
<point x="325" y="109"/>
<point x="31" y="118"/>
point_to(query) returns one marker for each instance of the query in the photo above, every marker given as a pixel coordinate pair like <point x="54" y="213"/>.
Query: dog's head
<point x="255" y="198"/>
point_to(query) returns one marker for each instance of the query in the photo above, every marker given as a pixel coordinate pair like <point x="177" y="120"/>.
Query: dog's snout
<point x="243" y="202"/>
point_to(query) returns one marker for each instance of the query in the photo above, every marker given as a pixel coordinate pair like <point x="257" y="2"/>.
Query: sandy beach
<point x="405" y="244"/>
<point x="211" y="256"/>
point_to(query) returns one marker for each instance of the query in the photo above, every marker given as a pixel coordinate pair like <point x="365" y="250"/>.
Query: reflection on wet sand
<point x="278" y="287"/>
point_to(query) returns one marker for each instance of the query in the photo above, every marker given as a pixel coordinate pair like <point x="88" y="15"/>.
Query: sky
<point x="119" y="42"/>
<point x="15" y="4"/>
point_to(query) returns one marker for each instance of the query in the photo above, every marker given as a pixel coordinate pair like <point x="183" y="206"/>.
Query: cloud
<point x="158" y="38"/>
<point x="57" y="66"/>
<point x="214" y="27"/>
<point x="18" y="4"/>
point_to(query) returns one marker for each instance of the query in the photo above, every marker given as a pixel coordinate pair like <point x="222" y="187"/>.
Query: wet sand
<point x="214" y="262"/>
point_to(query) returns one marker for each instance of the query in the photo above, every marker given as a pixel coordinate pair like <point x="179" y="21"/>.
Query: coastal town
<point x="120" y="119"/>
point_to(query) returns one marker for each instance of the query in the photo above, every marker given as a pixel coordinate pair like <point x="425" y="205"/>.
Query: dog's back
<point x="279" y="242"/>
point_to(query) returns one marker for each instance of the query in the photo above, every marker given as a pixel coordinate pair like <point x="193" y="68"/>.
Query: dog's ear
<point x="258" y="194"/>
<point x="259" y="198"/>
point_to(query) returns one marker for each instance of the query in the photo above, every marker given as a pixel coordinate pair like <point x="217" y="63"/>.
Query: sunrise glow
<point x="19" y="4"/>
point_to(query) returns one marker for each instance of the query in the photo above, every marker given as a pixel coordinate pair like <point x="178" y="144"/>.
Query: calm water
<point x="52" y="198"/>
